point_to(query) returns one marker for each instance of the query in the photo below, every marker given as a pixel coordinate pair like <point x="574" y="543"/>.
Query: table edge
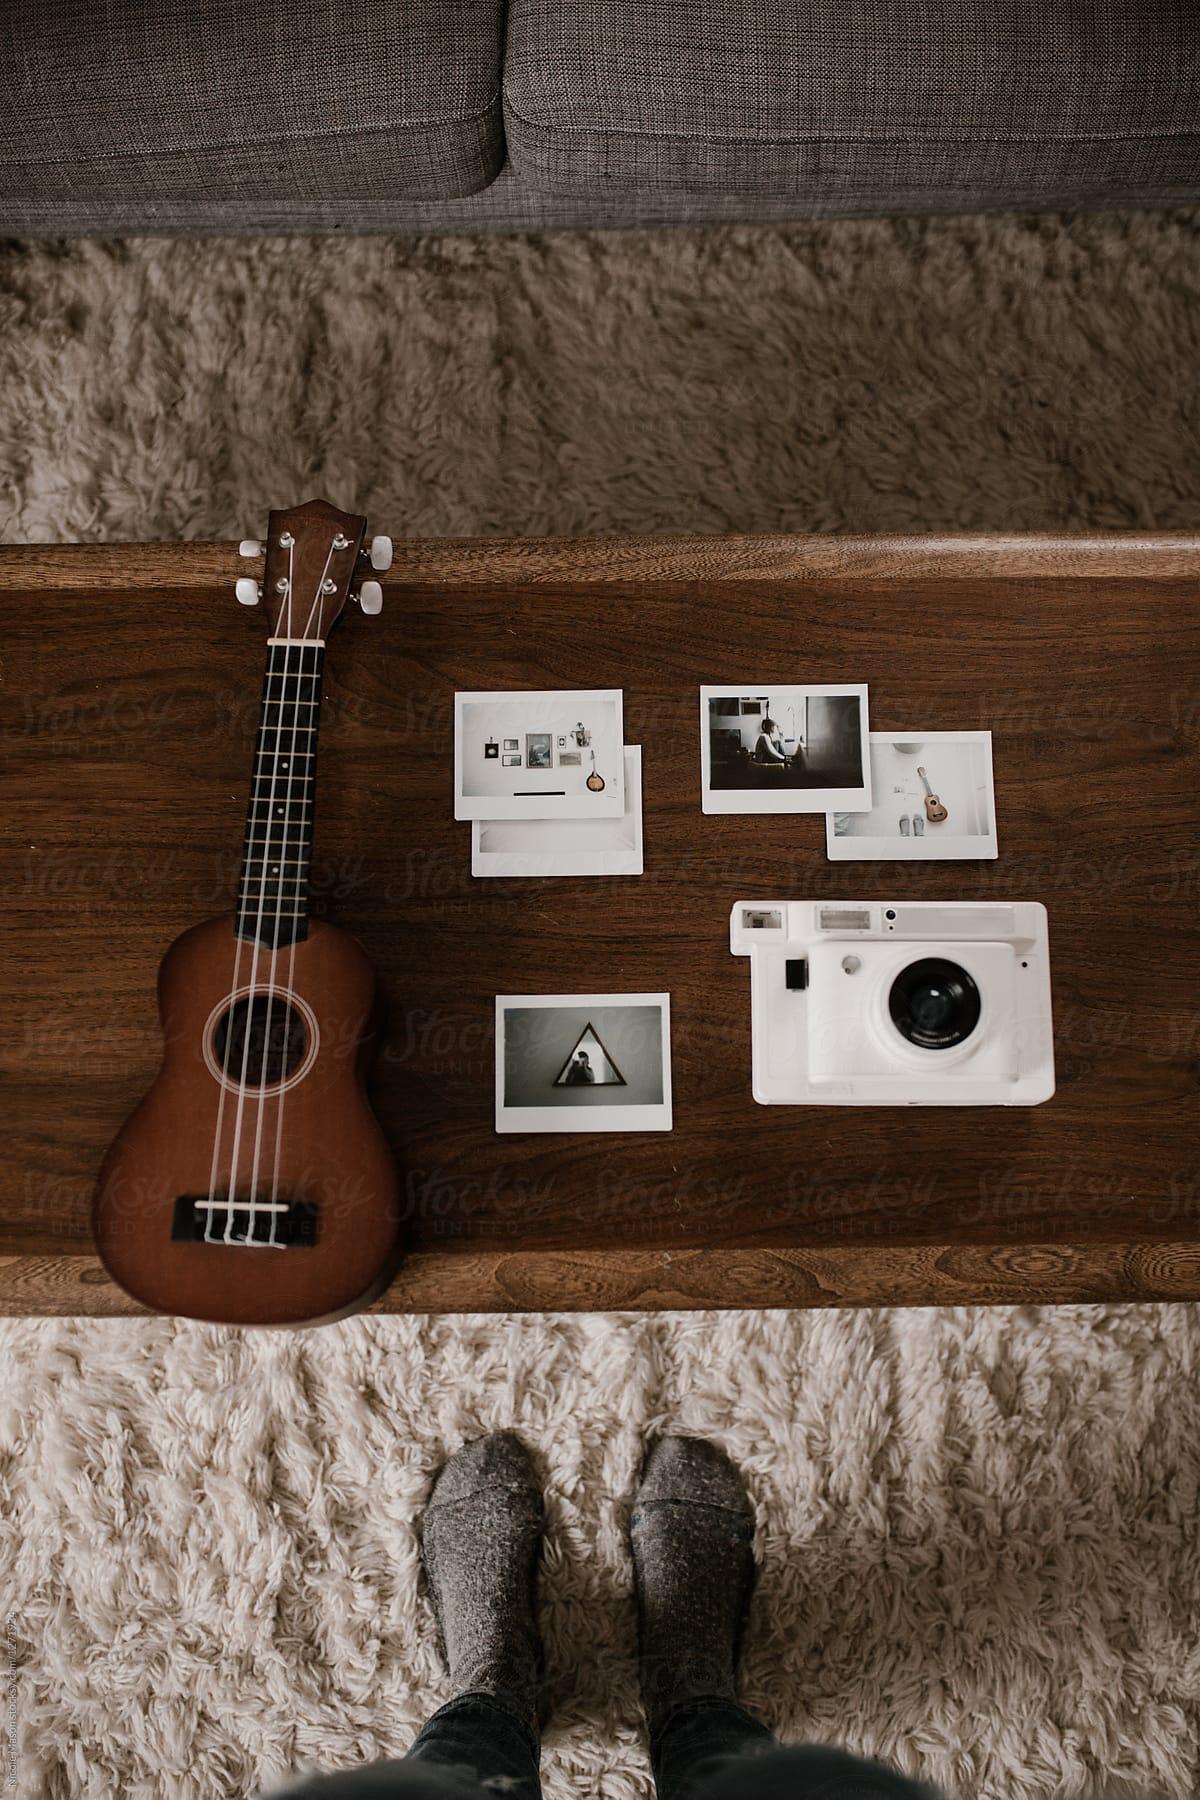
<point x="935" y="1274"/>
<point x="491" y="562"/>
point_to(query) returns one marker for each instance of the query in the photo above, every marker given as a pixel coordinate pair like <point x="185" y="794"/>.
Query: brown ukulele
<point x="935" y="812"/>
<point x="253" y="1184"/>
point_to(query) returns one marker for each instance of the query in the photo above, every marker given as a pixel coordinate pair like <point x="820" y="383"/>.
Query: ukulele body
<point x="299" y="1139"/>
<point x="935" y="812"/>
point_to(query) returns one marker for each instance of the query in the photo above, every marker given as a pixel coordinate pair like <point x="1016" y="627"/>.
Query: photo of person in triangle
<point x="583" y="1062"/>
<point x="589" y="1064"/>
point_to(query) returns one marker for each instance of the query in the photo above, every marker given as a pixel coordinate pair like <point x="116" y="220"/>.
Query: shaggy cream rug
<point x="977" y="1535"/>
<point x="971" y="373"/>
<point x="978" y="1528"/>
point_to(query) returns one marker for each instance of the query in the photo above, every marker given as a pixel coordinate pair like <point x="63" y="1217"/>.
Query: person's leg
<point x="480" y="1539"/>
<point x="481" y="1736"/>
<point x="708" y="1759"/>
<point x="480" y="1542"/>
<point x="692" y="1534"/>
<point x="387" y="1781"/>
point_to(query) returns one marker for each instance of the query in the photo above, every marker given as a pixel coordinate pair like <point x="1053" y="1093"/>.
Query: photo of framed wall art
<point x="529" y="780"/>
<point x="526" y="847"/>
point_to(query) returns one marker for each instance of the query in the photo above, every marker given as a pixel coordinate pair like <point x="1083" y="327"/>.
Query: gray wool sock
<point x="480" y="1540"/>
<point x="692" y="1535"/>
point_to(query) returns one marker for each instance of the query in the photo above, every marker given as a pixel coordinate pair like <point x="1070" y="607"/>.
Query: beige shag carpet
<point x="970" y="374"/>
<point x="977" y="1534"/>
<point x="978" y="1528"/>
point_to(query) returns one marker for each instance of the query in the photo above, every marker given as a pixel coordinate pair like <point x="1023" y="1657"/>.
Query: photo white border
<point x="930" y="846"/>
<point x="651" y="1117"/>
<point x="608" y="805"/>
<point x="490" y="864"/>
<point x="791" y="800"/>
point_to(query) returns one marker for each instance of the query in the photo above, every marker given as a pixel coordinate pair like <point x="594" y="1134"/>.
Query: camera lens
<point x="934" y="1004"/>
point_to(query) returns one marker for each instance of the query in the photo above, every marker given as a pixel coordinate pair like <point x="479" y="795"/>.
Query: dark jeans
<point x="476" y="1748"/>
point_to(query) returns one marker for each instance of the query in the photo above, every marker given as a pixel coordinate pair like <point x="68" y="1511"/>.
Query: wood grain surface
<point x="131" y="681"/>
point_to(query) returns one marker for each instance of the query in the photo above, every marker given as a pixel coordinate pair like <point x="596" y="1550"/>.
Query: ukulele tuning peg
<point x="370" y="597"/>
<point x="250" y="547"/>
<point x="380" y="554"/>
<point x="247" y="590"/>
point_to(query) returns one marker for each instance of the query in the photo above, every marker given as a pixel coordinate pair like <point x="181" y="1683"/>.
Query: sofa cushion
<point x="854" y="101"/>
<point x="134" y="103"/>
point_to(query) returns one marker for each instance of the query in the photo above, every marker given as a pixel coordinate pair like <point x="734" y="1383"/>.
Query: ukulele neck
<point x="272" y="902"/>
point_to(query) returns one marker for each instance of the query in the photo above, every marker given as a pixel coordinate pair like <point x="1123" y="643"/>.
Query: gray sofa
<point x="382" y="115"/>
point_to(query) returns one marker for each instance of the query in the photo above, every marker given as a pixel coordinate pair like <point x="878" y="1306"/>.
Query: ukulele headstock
<point x="313" y="555"/>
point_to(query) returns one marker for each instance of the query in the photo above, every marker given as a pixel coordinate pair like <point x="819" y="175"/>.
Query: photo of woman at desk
<point x="768" y="746"/>
<point x="791" y="741"/>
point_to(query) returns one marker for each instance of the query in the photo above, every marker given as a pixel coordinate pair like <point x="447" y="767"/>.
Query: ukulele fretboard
<point x="272" y="900"/>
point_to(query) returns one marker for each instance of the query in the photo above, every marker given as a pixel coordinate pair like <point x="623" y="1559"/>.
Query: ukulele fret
<point x="272" y="896"/>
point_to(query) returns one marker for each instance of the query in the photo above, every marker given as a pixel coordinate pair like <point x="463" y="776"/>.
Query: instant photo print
<point x="583" y="1062"/>
<point x="547" y="847"/>
<point x="904" y="1003"/>
<point x="531" y="778"/>
<point x="771" y="749"/>
<point x="932" y="801"/>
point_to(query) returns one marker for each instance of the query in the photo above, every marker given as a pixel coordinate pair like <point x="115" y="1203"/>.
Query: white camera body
<point x="904" y="1003"/>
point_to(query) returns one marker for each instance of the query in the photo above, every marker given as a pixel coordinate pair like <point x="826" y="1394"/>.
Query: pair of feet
<point x="691" y="1533"/>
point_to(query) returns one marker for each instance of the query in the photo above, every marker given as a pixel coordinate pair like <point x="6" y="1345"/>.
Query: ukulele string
<point x="291" y="975"/>
<point x="243" y="1084"/>
<point x="257" y="942"/>
<point x="290" y="979"/>
<point x="283" y="865"/>
<point x="317" y="609"/>
<point x="219" y="1132"/>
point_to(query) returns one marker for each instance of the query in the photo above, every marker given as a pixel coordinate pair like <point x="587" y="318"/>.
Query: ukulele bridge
<point x="266" y="1224"/>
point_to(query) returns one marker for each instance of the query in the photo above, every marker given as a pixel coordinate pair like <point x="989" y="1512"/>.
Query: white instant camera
<point x="903" y="1003"/>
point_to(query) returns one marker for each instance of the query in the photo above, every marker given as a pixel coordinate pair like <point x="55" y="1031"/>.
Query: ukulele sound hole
<point x="260" y="1040"/>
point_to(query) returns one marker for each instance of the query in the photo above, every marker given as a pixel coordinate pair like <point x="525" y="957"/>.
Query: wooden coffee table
<point x="132" y="688"/>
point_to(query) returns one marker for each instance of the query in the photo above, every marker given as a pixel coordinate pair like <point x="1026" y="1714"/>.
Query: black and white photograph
<point x="784" y="749"/>
<point x="933" y="800"/>
<point x="583" y="1062"/>
<point x="561" y="756"/>
<point x="549" y="847"/>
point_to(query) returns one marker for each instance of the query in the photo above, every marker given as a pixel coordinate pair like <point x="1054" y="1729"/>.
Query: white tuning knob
<point x="250" y="547"/>
<point x="247" y="590"/>
<point x="381" y="554"/>
<point x="370" y="597"/>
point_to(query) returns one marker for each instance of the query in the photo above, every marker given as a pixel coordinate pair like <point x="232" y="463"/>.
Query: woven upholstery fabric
<point x="851" y="103"/>
<point x="119" y="108"/>
<point x="512" y="205"/>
